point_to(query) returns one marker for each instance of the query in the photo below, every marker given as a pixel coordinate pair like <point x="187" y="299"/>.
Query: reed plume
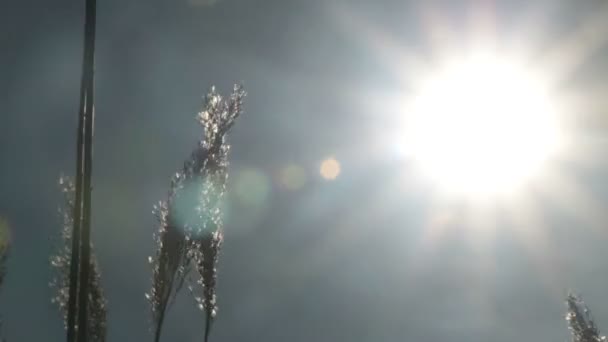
<point x="60" y="262"/>
<point x="190" y="220"/>
<point x="580" y="321"/>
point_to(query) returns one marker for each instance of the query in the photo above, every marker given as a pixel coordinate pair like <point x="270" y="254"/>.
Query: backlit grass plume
<point x="580" y="321"/>
<point x="61" y="264"/>
<point x="190" y="220"/>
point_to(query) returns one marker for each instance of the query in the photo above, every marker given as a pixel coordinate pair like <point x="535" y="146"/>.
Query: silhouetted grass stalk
<point x="80" y="257"/>
<point x="85" y="243"/>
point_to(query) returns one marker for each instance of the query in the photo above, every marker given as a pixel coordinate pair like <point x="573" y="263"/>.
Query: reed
<point x="60" y="263"/>
<point x="190" y="230"/>
<point x="580" y="321"/>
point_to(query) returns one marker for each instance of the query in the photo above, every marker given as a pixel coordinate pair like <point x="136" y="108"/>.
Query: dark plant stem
<point x="207" y="327"/>
<point x="161" y="317"/>
<point x="75" y="256"/>
<point x="85" y="241"/>
<point x="161" y="320"/>
<point x="83" y="109"/>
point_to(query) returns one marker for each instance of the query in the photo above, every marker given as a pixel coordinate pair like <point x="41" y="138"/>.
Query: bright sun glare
<point x="481" y="125"/>
<point x="496" y="120"/>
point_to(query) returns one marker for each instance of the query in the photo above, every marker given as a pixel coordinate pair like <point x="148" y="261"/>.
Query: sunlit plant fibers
<point x="60" y="262"/>
<point x="191" y="228"/>
<point x="580" y="321"/>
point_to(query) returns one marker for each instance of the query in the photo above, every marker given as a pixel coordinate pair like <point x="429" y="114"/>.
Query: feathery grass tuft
<point x="580" y="321"/>
<point x="191" y="225"/>
<point x="60" y="262"/>
<point x="169" y="264"/>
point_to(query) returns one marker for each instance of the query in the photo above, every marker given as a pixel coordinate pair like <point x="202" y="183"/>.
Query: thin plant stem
<point x="75" y="255"/>
<point x="77" y="223"/>
<point x="85" y="238"/>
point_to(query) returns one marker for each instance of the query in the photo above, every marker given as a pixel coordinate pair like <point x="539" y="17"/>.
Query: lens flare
<point x="292" y="177"/>
<point x="330" y="169"/>
<point x="252" y="187"/>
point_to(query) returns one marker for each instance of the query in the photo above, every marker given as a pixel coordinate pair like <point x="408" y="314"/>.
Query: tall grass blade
<point x="78" y="297"/>
<point x="85" y="243"/>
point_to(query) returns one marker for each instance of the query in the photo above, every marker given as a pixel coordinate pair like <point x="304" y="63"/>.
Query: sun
<point x="481" y="125"/>
<point x="483" y="131"/>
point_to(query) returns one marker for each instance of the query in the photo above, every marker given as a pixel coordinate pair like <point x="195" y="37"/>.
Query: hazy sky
<point x="339" y="260"/>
